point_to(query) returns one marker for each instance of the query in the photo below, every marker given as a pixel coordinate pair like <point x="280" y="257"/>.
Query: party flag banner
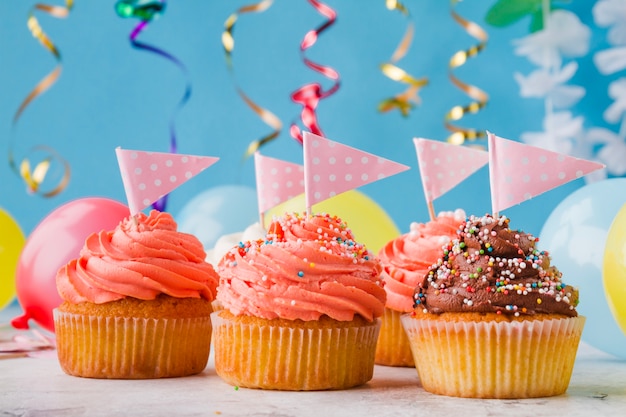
<point x="443" y="165"/>
<point x="276" y="181"/>
<point x="331" y="168"/>
<point x="148" y="176"/>
<point x="519" y="172"/>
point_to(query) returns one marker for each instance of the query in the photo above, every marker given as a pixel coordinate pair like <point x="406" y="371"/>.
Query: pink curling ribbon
<point x="309" y="95"/>
<point x="146" y="11"/>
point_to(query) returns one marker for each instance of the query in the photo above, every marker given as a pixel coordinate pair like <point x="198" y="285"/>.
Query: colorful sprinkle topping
<point x="491" y="268"/>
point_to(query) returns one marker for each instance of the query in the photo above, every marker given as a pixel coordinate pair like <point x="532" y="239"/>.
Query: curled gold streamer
<point x="480" y="98"/>
<point x="35" y="176"/>
<point x="406" y="100"/>
<point x="228" y="42"/>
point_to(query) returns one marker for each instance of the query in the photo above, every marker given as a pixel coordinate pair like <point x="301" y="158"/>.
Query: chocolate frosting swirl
<point x="491" y="268"/>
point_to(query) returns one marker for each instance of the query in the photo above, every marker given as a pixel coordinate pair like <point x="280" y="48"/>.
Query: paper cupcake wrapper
<point x="131" y="348"/>
<point x="393" y="348"/>
<point x="270" y="356"/>
<point x="521" y="359"/>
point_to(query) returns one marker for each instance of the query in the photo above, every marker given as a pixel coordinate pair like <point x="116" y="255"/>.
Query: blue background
<point x="110" y="94"/>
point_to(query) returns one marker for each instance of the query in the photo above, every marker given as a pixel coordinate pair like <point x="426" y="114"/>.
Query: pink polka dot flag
<point x="519" y="172"/>
<point x="148" y="176"/>
<point x="331" y="168"/>
<point x="276" y="181"/>
<point x="442" y="165"/>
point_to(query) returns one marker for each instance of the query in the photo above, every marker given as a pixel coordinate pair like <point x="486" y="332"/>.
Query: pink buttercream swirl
<point x="406" y="259"/>
<point x="307" y="266"/>
<point x="143" y="257"/>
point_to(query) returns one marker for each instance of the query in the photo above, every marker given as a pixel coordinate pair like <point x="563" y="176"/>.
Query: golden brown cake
<point x="301" y="308"/>
<point x="405" y="262"/>
<point x="137" y="303"/>
<point x="493" y="319"/>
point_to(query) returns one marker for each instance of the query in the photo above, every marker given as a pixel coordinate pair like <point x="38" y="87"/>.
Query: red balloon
<point x="54" y="242"/>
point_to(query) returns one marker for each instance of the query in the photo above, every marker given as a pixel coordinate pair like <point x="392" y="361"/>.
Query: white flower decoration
<point x="550" y="84"/>
<point x="613" y="153"/>
<point x="616" y="111"/>
<point x="564" y="35"/>
<point x="610" y="60"/>
<point x="612" y="13"/>
<point x="559" y="135"/>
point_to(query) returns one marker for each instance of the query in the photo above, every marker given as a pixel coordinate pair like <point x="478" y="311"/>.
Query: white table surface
<point x="36" y="386"/>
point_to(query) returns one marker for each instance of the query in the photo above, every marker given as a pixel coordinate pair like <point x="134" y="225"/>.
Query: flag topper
<point x="443" y="166"/>
<point x="276" y="181"/>
<point x="331" y="168"/>
<point x="148" y="176"/>
<point x="519" y="172"/>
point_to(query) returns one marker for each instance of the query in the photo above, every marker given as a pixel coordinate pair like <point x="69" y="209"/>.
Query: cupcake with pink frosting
<point x="406" y="261"/>
<point x="137" y="303"/>
<point x="301" y="308"/>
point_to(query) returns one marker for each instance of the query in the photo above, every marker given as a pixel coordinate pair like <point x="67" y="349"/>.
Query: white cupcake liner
<point x="519" y="359"/>
<point x="130" y="347"/>
<point x="293" y="358"/>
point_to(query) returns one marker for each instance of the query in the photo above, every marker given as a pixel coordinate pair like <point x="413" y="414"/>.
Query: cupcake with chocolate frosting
<point x="489" y="312"/>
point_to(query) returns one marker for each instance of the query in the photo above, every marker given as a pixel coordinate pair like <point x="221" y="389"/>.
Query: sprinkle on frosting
<point x="305" y="267"/>
<point x="406" y="259"/>
<point x="492" y="268"/>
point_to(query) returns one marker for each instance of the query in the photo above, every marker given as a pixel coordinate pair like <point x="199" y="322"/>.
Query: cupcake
<point x="301" y="308"/>
<point x="493" y="319"/>
<point x="137" y="303"/>
<point x="405" y="261"/>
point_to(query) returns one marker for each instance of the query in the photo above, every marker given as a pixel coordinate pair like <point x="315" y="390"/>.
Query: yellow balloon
<point x="614" y="268"/>
<point x="370" y="224"/>
<point x="11" y="243"/>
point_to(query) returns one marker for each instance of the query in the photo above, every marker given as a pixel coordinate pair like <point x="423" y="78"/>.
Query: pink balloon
<point x="54" y="242"/>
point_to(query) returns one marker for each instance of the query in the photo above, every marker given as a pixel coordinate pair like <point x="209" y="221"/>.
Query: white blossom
<point x="563" y="35"/>
<point x="616" y="111"/>
<point x="612" y="14"/>
<point x="613" y="153"/>
<point x="559" y="135"/>
<point x="550" y="84"/>
<point x="610" y="61"/>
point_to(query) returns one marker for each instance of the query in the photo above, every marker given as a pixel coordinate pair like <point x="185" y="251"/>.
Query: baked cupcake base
<point x="494" y="356"/>
<point x="293" y="355"/>
<point x="134" y="339"/>
<point x="393" y="348"/>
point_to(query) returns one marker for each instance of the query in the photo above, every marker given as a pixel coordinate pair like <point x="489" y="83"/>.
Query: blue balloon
<point x="218" y="211"/>
<point x="575" y="234"/>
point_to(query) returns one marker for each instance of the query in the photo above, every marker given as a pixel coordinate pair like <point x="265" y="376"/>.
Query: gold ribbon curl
<point x="480" y="98"/>
<point x="228" y="41"/>
<point x="406" y="100"/>
<point x="35" y="176"/>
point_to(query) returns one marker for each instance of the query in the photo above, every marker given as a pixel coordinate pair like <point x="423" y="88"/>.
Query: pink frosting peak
<point x="407" y="258"/>
<point x="307" y="266"/>
<point x="143" y="257"/>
